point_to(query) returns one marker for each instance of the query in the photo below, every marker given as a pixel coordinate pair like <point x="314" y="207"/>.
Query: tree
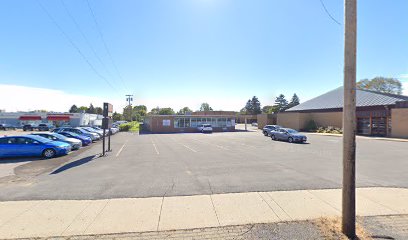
<point x="294" y="101"/>
<point x="256" y="105"/>
<point x="74" y="109"/>
<point x="268" y="109"/>
<point x="117" y="116"/>
<point x="82" y="109"/>
<point x="184" y="110"/>
<point x="91" y="109"/>
<point x="205" y="107"/>
<point x="139" y="112"/>
<point x="166" y="111"/>
<point x="99" y="110"/>
<point x="381" y="84"/>
<point x="154" y="111"/>
<point x="252" y="106"/>
<point x="127" y="113"/>
<point x="281" y="103"/>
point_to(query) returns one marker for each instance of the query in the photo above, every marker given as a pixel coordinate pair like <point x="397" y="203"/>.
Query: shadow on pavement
<point x="73" y="164"/>
<point x="19" y="159"/>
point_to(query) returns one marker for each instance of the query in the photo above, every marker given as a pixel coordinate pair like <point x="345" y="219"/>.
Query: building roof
<point x="334" y="100"/>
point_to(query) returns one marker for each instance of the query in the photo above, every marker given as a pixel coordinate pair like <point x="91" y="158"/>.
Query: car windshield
<point x="207" y="125"/>
<point x="60" y="136"/>
<point x="291" y="131"/>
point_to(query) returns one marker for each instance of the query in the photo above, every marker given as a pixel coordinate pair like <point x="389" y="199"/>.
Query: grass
<point x="130" y="127"/>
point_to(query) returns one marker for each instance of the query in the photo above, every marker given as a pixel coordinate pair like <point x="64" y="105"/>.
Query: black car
<point x="28" y="127"/>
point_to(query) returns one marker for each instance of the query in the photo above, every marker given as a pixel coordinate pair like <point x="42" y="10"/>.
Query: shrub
<point x="130" y="126"/>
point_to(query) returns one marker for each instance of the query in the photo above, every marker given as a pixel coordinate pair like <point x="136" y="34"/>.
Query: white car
<point x="205" y="128"/>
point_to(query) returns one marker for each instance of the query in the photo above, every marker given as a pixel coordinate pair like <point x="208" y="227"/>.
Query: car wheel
<point x="265" y="133"/>
<point x="49" y="153"/>
<point x="273" y="137"/>
<point x="290" y="140"/>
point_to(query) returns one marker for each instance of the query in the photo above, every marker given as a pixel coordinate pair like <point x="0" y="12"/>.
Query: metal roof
<point x="334" y="99"/>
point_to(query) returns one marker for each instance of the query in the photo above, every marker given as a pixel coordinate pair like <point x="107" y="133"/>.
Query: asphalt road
<point x="190" y="164"/>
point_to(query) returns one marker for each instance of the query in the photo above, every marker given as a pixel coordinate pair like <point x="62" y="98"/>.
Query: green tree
<point x="184" y="110"/>
<point x="139" y="112"/>
<point x="74" y="109"/>
<point x="154" y="111"/>
<point x="281" y="103"/>
<point x="166" y="111"/>
<point x="82" y="109"/>
<point x="127" y="113"/>
<point x="256" y="105"/>
<point x="294" y="101"/>
<point x="99" y="110"/>
<point x="268" y="109"/>
<point x="205" y="107"/>
<point x="381" y="84"/>
<point x="91" y="109"/>
<point x="117" y="116"/>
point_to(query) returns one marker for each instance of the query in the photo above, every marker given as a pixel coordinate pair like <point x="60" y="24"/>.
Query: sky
<point x="177" y="53"/>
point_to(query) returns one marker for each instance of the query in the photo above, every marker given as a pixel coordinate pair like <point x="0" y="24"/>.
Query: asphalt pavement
<point x="151" y="165"/>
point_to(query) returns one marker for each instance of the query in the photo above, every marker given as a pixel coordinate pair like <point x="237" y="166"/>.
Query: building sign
<point x="166" y="122"/>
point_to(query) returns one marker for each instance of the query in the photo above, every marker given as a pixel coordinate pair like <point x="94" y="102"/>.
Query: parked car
<point x="75" y="143"/>
<point x="254" y="124"/>
<point x="31" y="145"/>
<point x="28" y="127"/>
<point x="44" y="127"/>
<point x="5" y="126"/>
<point x="205" y="128"/>
<point x="288" y="134"/>
<point x="84" y="139"/>
<point x="268" y="128"/>
<point x="93" y="136"/>
<point x="92" y="130"/>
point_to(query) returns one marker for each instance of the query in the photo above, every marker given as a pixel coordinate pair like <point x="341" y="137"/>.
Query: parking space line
<point x="155" y="148"/>
<point x="218" y="146"/>
<point x="120" y="150"/>
<point x="189" y="148"/>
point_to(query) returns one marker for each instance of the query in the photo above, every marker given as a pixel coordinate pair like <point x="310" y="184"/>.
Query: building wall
<point x="399" y="122"/>
<point x="250" y="118"/>
<point x="292" y="120"/>
<point x="326" y="119"/>
<point x="266" y="119"/>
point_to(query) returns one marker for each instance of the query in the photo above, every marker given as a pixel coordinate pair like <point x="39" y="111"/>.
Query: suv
<point x="43" y="127"/>
<point x="268" y="128"/>
<point x="205" y="128"/>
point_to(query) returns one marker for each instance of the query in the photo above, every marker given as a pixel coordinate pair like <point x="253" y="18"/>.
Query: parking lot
<point x="189" y="164"/>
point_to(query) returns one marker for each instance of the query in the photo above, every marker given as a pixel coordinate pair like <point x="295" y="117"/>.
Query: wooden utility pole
<point x="349" y="120"/>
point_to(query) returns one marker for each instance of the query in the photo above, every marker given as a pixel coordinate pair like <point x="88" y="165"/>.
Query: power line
<point x="85" y="38"/>
<point x="328" y="13"/>
<point x="75" y="46"/>
<point x="104" y="43"/>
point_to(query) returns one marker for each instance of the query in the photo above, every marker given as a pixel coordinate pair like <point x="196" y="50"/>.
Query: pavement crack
<point x="161" y="206"/>
<point x="97" y="215"/>
<point x="270" y="206"/>
<point x="212" y="202"/>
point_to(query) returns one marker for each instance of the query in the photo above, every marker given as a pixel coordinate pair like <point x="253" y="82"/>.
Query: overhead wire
<point x="104" y="43"/>
<point x="75" y="46"/>
<point x="85" y="38"/>
<point x="328" y="13"/>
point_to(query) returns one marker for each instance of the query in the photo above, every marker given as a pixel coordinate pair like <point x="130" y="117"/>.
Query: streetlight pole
<point x="349" y="120"/>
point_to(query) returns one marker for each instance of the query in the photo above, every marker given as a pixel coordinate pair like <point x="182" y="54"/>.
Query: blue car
<point x="31" y="145"/>
<point x="84" y="139"/>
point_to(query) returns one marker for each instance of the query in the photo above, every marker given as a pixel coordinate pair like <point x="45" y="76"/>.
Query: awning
<point x="29" y="118"/>
<point x="58" y="118"/>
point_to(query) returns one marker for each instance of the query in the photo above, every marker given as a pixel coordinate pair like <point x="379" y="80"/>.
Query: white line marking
<point x="188" y="147"/>
<point x="218" y="146"/>
<point x="155" y="148"/>
<point x="120" y="150"/>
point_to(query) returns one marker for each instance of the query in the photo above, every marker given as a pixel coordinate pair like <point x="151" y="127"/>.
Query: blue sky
<point x="183" y="52"/>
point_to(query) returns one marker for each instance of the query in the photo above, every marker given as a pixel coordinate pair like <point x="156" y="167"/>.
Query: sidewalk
<point x="25" y="219"/>
<point x="362" y="137"/>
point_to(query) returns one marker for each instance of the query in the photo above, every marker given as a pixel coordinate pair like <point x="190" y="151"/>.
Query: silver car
<point x="288" y="134"/>
<point x="75" y="143"/>
<point x="268" y="128"/>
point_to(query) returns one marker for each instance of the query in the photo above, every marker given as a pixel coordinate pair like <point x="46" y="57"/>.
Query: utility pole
<point x="349" y="120"/>
<point x="129" y="99"/>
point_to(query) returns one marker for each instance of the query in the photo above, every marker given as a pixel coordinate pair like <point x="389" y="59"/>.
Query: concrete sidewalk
<point x="25" y="219"/>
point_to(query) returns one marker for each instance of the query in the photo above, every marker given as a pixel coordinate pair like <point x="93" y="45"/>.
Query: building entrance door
<point x="379" y="126"/>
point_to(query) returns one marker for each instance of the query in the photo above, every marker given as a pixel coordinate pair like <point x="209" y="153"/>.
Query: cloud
<point x="22" y="98"/>
<point x="405" y="88"/>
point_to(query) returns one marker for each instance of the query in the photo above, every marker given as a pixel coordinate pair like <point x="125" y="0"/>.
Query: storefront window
<point x="193" y="122"/>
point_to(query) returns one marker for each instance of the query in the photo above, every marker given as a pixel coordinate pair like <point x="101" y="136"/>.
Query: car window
<point x="4" y="140"/>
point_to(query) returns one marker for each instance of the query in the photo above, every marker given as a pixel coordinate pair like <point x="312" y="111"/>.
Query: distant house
<point x="378" y="114"/>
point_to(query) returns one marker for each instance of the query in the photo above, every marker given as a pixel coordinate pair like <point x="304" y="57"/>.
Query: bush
<point x="329" y="130"/>
<point x="130" y="126"/>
